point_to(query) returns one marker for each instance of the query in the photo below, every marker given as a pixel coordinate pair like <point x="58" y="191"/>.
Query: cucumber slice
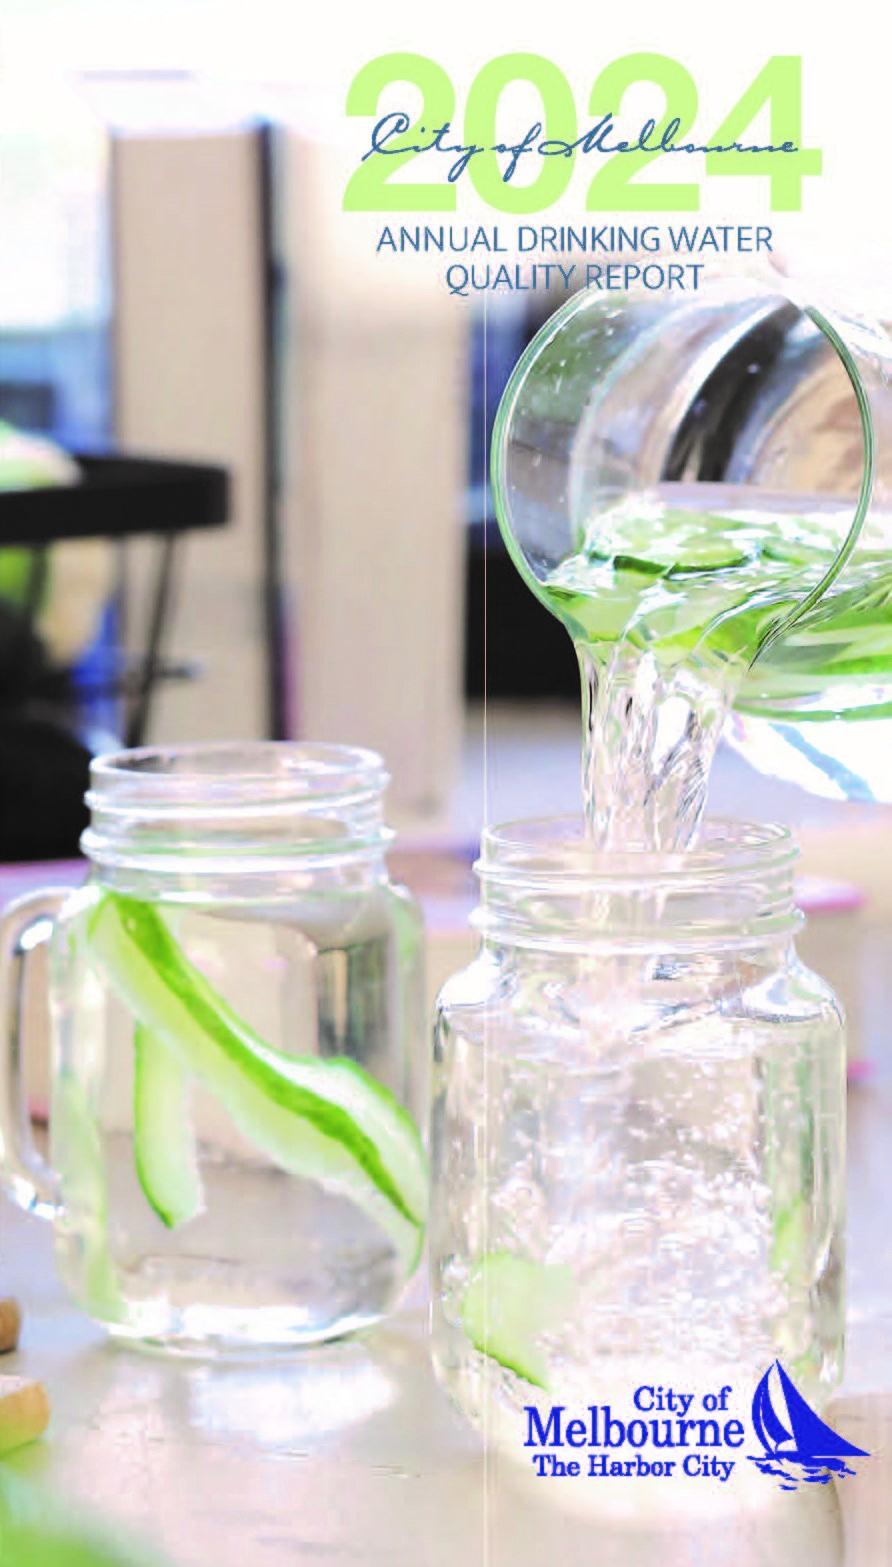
<point x="789" y="1247"/>
<point x="165" y="1146"/>
<point x="40" y="1529"/>
<point x="328" y="1121"/>
<point x="656" y="539"/>
<point x="509" y="1303"/>
<point x="710" y="555"/>
<point x="646" y="568"/>
<point x="76" y="1137"/>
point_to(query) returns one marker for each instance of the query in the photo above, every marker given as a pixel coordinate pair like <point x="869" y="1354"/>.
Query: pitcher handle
<point x="26" y="924"/>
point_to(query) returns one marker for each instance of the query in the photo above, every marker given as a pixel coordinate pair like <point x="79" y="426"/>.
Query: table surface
<point x="351" y="1454"/>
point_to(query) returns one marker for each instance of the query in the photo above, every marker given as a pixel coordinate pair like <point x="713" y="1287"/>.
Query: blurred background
<point x="178" y="282"/>
<point x="174" y="286"/>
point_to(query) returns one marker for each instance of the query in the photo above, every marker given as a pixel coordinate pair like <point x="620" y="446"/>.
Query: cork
<point x="10" y="1325"/>
<point x="24" y="1412"/>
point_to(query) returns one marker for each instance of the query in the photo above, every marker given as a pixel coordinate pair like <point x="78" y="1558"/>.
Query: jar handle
<point x="25" y="1174"/>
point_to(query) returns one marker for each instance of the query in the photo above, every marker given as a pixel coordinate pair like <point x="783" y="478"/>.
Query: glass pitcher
<point x="638" y="1132"/>
<point x="710" y="476"/>
<point x="237" y="1038"/>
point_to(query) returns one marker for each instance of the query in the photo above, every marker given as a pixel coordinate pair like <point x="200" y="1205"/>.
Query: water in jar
<point x="210" y="1201"/>
<point x="644" y="1184"/>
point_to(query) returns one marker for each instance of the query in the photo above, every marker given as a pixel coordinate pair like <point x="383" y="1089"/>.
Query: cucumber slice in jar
<point x="325" y="1120"/>
<point x="165" y="1145"/>
<point x="509" y="1303"/>
<point x="76" y="1134"/>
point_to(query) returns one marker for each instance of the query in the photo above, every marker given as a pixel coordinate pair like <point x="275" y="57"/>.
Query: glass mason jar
<point x="638" y="1130"/>
<point x="237" y="1032"/>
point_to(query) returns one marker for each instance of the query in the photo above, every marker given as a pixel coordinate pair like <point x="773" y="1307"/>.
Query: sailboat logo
<point x="798" y="1445"/>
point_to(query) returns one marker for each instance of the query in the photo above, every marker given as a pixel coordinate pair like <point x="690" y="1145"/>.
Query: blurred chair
<point x="44" y="754"/>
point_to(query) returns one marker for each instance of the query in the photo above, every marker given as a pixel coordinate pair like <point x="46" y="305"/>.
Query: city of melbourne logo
<point x="675" y="1434"/>
<point x="798" y="1445"/>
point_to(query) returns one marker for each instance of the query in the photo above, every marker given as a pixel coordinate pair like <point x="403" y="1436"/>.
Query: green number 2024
<point x="614" y="188"/>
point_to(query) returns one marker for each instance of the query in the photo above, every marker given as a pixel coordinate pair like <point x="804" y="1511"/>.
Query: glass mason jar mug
<point x="638" y="1130"/>
<point x="237" y="1026"/>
